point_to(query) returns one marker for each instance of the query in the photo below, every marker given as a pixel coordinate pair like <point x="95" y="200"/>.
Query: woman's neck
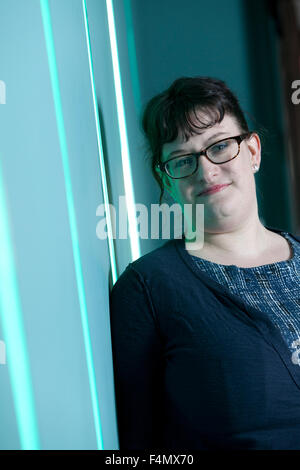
<point x="245" y="243"/>
<point x="249" y="239"/>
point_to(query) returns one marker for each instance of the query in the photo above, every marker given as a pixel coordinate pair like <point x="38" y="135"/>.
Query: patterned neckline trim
<point x="278" y="264"/>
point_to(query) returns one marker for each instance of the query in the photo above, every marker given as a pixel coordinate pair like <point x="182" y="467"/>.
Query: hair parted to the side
<point x="175" y="110"/>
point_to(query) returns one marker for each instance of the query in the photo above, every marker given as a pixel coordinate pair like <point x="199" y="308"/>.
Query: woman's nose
<point x="206" y="169"/>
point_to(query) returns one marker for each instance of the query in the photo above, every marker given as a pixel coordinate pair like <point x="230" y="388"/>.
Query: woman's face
<point x="236" y="202"/>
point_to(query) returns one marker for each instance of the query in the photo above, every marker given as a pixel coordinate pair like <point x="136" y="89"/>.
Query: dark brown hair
<point x="175" y="109"/>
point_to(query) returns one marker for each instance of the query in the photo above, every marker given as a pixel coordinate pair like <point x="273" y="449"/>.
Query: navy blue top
<point x="195" y="366"/>
<point x="271" y="288"/>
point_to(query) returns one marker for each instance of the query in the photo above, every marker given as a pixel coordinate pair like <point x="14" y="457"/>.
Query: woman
<point x="205" y="341"/>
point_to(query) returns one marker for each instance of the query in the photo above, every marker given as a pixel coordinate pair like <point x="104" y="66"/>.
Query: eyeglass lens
<point x="221" y="152"/>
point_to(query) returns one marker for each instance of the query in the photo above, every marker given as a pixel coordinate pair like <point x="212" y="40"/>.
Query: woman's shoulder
<point x="160" y="263"/>
<point x="294" y="237"/>
<point x="161" y="255"/>
<point x="278" y="230"/>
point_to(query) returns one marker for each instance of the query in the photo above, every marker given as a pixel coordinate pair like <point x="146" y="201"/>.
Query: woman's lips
<point x="213" y="189"/>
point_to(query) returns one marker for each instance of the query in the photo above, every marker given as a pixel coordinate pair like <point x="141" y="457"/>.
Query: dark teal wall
<point x="234" y="40"/>
<point x="267" y="103"/>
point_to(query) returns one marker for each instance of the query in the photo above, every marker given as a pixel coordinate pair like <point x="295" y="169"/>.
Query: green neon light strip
<point x="129" y="193"/>
<point x="100" y="150"/>
<point x="72" y="217"/>
<point x="14" y="335"/>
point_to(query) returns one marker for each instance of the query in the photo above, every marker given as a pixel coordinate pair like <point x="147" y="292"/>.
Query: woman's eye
<point x="219" y="147"/>
<point x="184" y="162"/>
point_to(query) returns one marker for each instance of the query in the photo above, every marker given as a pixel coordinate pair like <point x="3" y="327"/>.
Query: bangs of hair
<point x="187" y="119"/>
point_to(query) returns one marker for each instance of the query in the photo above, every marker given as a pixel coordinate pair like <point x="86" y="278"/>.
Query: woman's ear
<point x="254" y="145"/>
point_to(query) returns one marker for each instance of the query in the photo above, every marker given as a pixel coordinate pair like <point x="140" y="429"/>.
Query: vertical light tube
<point x="72" y="217"/>
<point x="100" y="150"/>
<point x="14" y="335"/>
<point x="129" y="193"/>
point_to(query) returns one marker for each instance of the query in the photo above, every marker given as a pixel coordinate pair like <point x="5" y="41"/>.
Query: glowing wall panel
<point x="50" y="167"/>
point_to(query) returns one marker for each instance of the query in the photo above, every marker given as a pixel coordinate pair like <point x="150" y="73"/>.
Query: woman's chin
<point x="221" y="220"/>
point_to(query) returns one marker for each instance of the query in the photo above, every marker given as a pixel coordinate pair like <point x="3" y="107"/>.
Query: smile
<point x="214" y="189"/>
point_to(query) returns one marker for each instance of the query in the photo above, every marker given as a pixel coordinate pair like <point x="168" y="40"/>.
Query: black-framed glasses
<point x="219" y="152"/>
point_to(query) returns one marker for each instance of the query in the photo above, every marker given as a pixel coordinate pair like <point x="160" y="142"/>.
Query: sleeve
<point x="138" y="363"/>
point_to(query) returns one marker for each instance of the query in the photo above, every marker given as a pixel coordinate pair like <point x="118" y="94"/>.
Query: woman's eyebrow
<point x="211" y="138"/>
